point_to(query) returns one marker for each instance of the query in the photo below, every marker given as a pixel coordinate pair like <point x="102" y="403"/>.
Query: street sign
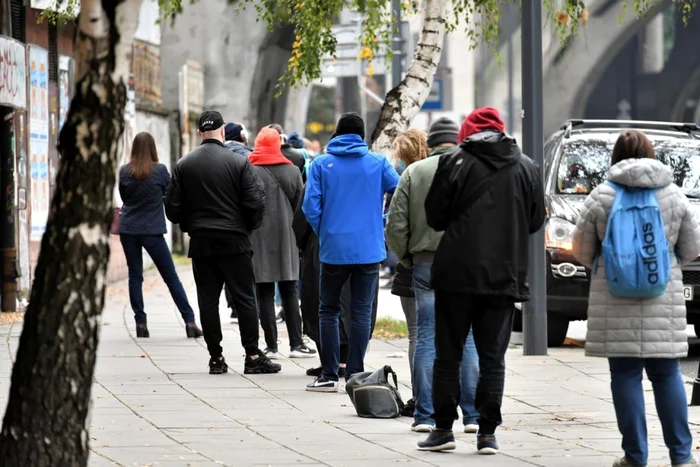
<point x="435" y="100"/>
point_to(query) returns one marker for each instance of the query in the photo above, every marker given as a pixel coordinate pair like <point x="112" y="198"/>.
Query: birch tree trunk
<point x="404" y="102"/>
<point x="45" y="421"/>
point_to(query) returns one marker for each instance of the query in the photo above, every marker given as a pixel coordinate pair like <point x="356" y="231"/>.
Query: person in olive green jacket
<point x="415" y="243"/>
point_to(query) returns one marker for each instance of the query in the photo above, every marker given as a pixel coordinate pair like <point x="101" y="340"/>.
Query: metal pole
<point x="396" y="67"/>
<point x="535" y="313"/>
<point x="511" y="104"/>
<point x="695" y="397"/>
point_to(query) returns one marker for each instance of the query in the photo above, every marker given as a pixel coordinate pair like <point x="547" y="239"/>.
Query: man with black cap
<point x="237" y="139"/>
<point x="488" y="198"/>
<point x="343" y="204"/>
<point x="218" y="199"/>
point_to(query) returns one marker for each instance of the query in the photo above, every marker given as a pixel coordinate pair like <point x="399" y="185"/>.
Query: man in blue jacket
<point x="343" y="204"/>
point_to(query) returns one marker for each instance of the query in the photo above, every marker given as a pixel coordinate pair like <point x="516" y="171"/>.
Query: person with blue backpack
<point x="634" y="232"/>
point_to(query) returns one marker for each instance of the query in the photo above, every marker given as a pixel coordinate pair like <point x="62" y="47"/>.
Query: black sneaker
<point x="438" y="440"/>
<point x="218" y="366"/>
<point x="486" y="445"/>
<point x="409" y="408"/>
<point x="260" y="365"/>
<point x="322" y="384"/>
<point x="303" y="351"/>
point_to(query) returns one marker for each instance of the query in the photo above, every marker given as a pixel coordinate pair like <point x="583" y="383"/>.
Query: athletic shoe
<point x="438" y="440"/>
<point x="422" y="427"/>
<point x="623" y="462"/>
<point x="487" y="445"/>
<point x="260" y="365"/>
<point x="471" y="428"/>
<point x="302" y="352"/>
<point x="691" y="462"/>
<point x="271" y="354"/>
<point x="218" y="366"/>
<point x="316" y="372"/>
<point x="322" y="384"/>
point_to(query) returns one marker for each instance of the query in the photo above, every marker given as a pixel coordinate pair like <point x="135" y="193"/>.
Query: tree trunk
<point x="45" y="421"/>
<point x="404" y="102"/>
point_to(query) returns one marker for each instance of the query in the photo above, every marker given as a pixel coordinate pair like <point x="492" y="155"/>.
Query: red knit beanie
<point x="486" y="118"/>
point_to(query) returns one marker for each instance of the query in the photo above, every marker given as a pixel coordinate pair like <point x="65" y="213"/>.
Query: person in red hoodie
<point x="487" y="198"/>
<point x="276" y="256"/>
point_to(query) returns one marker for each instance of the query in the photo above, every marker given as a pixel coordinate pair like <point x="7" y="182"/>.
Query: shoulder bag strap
<point x="277" y="182"/>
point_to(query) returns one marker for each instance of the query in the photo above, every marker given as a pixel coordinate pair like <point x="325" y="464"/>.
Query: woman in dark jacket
<point x="276" y="256"/>
<point x="142" y="184"/>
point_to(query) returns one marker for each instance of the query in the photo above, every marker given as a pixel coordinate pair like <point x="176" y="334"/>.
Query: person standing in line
<point x="237" y="143"/>
<point x="488" y="198"/>
<point x="142" y="185"/>
<point x="275" y="253"/>
<point x="289" y="152"/>
<point x="219" y="201"/>
<point x="343" y="204"/>
<point x="410" y="237"/>
<point x="637" y="334"/>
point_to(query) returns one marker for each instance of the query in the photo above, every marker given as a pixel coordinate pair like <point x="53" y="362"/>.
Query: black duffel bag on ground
<point x="373" y="395"/>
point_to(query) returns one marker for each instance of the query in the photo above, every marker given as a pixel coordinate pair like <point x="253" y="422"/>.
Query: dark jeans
<point x="671" y="406"/>
<point x="491" y="321"/>
<point x="157" y="249"/>
<point x="290" y="304"/>
<point x="236" y="271"/>
<point x="363" y="282"/>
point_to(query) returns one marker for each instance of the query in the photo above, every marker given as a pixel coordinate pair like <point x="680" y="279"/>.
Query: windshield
<point x="584" y="163"/>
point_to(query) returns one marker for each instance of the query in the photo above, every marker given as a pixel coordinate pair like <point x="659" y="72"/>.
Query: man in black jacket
<point x="219" y="200"/>
<point x="487" y="198"/>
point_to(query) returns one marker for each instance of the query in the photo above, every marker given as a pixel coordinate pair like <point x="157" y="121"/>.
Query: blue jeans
<point x="363" y="283"/>
<point x="157" y="249"/>
<point x="671" y="406"/>
<point x="425" y="356"/>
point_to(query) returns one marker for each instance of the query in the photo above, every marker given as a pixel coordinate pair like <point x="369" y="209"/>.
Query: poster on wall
<point x="64" y="89"/>
<point x="13" y="80"/>
<point x="39" y="139"/>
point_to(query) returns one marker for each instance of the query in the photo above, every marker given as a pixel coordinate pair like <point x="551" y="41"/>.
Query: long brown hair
<point x="144" y="156"/>
<point x="411" y="146"/>
<point x="632" y="144"/>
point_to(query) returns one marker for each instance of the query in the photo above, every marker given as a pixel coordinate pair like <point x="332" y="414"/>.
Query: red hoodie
<point x="268" y="149"/>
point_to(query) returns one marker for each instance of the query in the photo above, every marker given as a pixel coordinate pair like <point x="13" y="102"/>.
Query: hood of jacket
<point x="641" y="173"/>
<point x="349" y="145"/>
<point x="440" y="150"/>
<point x="497" y="150"/>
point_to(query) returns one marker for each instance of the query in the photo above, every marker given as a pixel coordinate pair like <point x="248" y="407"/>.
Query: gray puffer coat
<point x="634" y="327"/>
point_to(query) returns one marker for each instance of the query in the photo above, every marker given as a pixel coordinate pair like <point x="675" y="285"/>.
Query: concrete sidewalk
<point x="155" y="404"/>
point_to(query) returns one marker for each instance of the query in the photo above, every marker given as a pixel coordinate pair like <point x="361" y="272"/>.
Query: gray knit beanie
<point x="442" y="131"/>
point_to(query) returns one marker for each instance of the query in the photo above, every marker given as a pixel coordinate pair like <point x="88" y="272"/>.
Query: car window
<point x="584" y="163"/>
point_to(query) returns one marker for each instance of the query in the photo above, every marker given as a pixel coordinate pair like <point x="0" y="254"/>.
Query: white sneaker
<point x="271" y="354"/>
<point x="321" y="384"/>
<point x="471" y="428"/>
<point x="422" y="428"/>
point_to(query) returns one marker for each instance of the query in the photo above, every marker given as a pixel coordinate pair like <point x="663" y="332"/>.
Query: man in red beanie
<point x="487" y="198"/>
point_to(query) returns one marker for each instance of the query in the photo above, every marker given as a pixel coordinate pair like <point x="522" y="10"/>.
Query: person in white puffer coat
<point x="641" y="333"/>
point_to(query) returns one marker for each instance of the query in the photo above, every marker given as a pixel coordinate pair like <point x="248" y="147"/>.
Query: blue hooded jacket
<point x="343" y="201"/>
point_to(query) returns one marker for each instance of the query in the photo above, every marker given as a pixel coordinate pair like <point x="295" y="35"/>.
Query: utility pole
<point x="511" y="104"/>
<point x="535" y="311"/>
<point x="396" y="39"/>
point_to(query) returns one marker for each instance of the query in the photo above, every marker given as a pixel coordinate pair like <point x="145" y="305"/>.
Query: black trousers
<point x="210" y="275"/>
<point x="290" y="305"/>
<point x="491" y="321"/>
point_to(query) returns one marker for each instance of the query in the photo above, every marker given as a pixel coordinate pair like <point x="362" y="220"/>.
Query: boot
<point x="193" y="331"/>
<point x="142" y="331"/>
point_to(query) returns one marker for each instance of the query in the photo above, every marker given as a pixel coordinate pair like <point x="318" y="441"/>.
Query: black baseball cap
<point x="210" y="120"/>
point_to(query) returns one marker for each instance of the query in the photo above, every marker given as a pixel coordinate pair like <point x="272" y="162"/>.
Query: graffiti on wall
<point x="39" y="139"/>
<point x="13" y="78"/>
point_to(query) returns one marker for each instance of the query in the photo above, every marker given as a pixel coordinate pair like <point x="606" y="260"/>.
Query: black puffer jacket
<point x="295" y="156"/>
<point x="212" y="191"/>
<point x="485" y="247"/>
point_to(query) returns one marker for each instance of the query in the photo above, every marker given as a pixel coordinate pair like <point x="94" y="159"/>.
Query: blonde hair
<point x="411" y="146"/>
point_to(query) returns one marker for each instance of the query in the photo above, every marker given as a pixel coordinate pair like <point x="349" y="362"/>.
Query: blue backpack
<point x="635" y="249"/>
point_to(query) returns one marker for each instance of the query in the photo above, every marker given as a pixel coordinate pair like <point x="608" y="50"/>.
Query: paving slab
<point x="155" y="404"/>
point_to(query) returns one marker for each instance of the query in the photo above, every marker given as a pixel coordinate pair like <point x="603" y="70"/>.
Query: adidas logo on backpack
<point x="635" y="250"/>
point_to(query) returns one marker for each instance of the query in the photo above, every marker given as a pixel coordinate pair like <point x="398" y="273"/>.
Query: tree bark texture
<point x="45" y="421"/>
<point x="404" y="102"/>
<point x="272" y="64"/>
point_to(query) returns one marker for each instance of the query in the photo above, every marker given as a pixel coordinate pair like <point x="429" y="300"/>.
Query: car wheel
<point x="557" y="327"/>
<point x="518" y="320"/>
<point x="697" y="329"/>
